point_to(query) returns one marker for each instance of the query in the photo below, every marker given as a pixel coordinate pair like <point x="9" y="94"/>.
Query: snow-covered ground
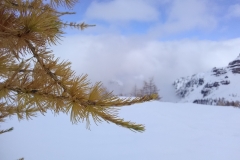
<point x="174" y="131"/>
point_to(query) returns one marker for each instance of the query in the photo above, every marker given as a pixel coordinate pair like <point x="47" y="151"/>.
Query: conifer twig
<point x="7" y="130"/>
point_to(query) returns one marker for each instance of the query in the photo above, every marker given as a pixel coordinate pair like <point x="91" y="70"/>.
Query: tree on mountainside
<point x="34" y="81"/>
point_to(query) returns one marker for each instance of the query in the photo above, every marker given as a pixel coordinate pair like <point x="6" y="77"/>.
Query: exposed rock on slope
<point x="220" y="86"/>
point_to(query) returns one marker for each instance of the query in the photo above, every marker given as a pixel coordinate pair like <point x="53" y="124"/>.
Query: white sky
<point x="138" y="39"/>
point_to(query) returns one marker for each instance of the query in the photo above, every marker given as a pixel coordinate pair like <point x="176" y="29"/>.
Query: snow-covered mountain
<point x="220" y="86"/>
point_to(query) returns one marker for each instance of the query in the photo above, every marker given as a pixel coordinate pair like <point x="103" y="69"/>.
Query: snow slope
<point x="213" y="85"/>
<point x="174" y="131"/>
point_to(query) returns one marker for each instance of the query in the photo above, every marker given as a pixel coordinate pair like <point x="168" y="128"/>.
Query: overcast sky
<point x="137" y="39"/>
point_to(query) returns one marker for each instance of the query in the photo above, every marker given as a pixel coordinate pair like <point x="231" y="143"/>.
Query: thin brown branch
<point x="52" y="75"/>
<point x="81" y="26"/>
<point x="7" y="130"/>
<point x="81" y="101"/>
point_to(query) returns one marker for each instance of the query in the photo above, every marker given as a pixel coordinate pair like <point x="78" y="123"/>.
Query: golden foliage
<point x="34" y="81"/>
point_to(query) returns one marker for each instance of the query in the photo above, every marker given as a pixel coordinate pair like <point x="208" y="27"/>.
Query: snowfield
<point x="174" y="131"/>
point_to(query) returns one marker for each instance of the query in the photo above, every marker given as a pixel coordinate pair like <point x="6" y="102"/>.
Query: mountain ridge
<point x="216" y="87"/>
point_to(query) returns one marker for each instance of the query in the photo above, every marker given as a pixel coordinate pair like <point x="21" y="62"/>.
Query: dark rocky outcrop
<point x="205" y="92"/>
<point x="225" y="82"/>
<point x="191" y="83"/>
<point x="208" y="88"/>
<point x="235" y="65"/>
<point x="219" y="71"/>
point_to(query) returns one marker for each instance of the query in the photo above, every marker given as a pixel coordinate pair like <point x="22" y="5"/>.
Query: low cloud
<point x="167" y="17"/>
<point x="130" y="60"/>
<point x="122" y="11"/>
<point x="186" y="15"/>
